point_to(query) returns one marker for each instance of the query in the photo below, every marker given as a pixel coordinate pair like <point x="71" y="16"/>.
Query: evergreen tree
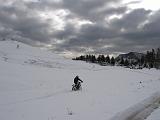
<point x="112" y="61"/>
<point x="142" y="61"/>
<point x="102" y="58"/>
<point x="99" y="59"/>
<point x="107" y="59"/>
<point x="87" y="58"/>
<point x="157" y="59"/>
<point x="122" y="61"/>
<point x="93" y="59"/>
<point x="82" y="57"/>
<point x="158" y="54"/>
<point x="126" y="63"/>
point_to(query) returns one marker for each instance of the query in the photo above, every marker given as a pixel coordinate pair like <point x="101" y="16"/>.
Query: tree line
<point x="101" y="59"/>
<point x="149" y="60"/>
<point x="152" y="58"/>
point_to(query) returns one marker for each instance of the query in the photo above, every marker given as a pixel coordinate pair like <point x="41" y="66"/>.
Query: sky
<point x="75" y="27"/>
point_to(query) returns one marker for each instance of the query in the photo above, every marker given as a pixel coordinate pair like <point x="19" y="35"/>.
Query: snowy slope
<point x="36" y="85"/>
<point x="155" y="115"/>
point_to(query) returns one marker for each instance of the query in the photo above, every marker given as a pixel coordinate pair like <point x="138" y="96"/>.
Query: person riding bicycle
<point x="77" y="81"/>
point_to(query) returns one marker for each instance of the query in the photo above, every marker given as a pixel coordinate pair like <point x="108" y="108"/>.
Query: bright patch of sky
<point x="110" y="18"/>
<point x="147" y="4"/>
<point x="56" y="18"/>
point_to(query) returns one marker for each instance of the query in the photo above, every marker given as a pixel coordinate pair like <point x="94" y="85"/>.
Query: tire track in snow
<point x="38" y="97"/>
<point x="141" y="110"/>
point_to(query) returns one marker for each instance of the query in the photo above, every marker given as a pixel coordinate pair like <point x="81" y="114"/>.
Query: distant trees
<point x="149" y="60"/>
<point x="100" y="59"/>
<point x="157" y="59"/>
<point x="152" y="58"/>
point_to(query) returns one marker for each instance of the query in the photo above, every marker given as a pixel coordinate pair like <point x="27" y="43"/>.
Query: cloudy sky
<point x="74" y="27"/>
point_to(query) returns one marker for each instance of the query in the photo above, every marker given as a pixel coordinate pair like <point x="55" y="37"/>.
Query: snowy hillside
<point x="131" y="55"/>
<point x="36" y="85"/>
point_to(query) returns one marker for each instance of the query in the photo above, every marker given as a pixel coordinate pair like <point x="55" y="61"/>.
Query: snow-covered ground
<point x="36" y="85"/>
<point x="155" y="115"/>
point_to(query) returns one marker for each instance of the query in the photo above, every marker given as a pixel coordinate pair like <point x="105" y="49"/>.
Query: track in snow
<point x="39" y="97"/>
<point x="141" y="110"/>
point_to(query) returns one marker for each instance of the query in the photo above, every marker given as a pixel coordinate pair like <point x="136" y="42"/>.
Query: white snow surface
<point x="35" y="84"/>
<point x="155" y="115"/>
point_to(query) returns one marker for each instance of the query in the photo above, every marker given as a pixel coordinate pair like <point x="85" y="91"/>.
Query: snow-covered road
<point x="141" y="110"/>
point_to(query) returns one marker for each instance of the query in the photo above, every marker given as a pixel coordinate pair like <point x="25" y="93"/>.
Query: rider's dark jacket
<point x="76" y="79"/>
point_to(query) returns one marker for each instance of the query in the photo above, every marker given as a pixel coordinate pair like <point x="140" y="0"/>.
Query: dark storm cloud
<point x="42" y="5"/>
<point x="90" y="36"/>
<point x="153" y="27"/>
<point x="69" y="30"/>
<point x="135" y="30"/>
<point x="87" y="9"/>
<point x="132" y="20"/>
<point x="148" y="36"/>
<point x="87" y="35"/>
<point x="22" y="22"/>
<point x="133" y="38"/>
<point x="117" y="10"/>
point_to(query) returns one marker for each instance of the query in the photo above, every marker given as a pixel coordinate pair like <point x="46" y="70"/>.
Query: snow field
<point x="37" y="85"/>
